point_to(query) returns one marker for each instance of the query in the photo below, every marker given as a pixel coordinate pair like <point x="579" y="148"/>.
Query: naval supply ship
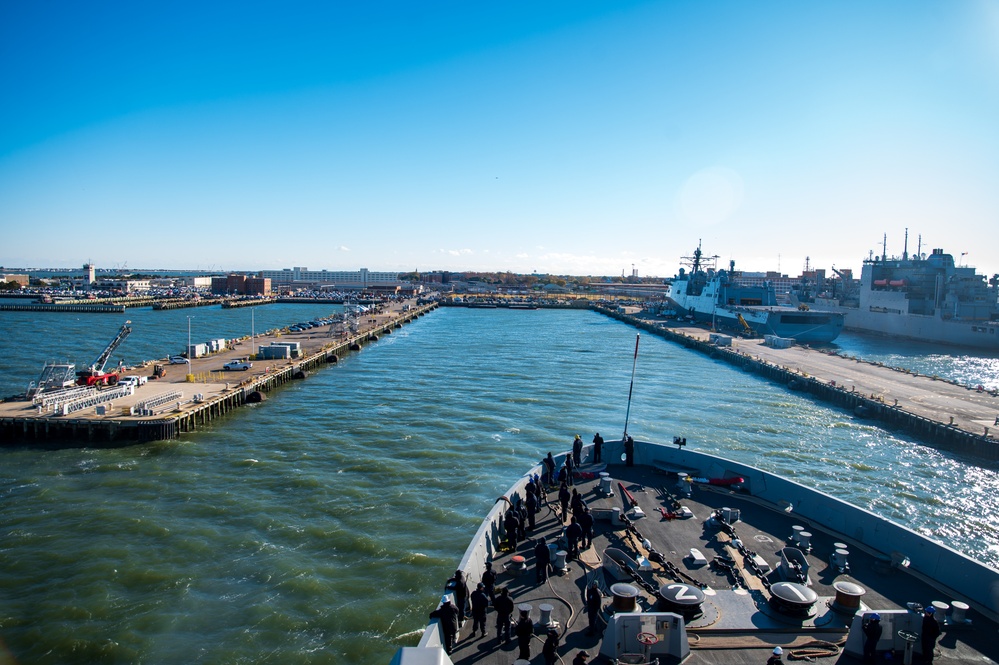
<point x="925" y="298"/>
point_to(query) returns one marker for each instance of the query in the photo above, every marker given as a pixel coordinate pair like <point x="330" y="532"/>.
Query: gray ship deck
<point x="715" y="638"/>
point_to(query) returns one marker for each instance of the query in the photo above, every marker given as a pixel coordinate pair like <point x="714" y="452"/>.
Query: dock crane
<point x="95" y="375"/>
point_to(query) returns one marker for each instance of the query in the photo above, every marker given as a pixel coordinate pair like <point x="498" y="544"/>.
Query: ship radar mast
<point x="698" y="260"/>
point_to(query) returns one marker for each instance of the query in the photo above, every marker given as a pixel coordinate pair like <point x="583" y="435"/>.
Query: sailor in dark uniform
<point x="525" y="631"/>
<point x="598" y="443"/>
<point x="928" y="636"/>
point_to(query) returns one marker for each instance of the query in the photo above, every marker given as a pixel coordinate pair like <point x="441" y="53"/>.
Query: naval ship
<point x="716" y="297"/>
<point x="925" y="298"/>
<point x="698" y="559"/>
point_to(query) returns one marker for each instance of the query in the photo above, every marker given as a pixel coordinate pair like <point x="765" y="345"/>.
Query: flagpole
<point x="627" y="414"/>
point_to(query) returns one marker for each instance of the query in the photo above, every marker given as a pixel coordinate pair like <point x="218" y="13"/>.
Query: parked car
<point x="177" y="360"/>
<point x="237" y="364"/>
<point x="132" y="380"/>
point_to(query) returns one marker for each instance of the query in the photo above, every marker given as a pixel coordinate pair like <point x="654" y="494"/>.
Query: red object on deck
<point x="726" y="481"/>
<point x="625" y="492"/>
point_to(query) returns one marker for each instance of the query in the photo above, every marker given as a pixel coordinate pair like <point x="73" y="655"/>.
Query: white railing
<point x="98" y="397"/>
<point x="148" y="406"/>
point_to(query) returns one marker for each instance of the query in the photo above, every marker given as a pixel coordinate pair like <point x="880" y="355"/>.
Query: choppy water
<point x="320" y="526"/>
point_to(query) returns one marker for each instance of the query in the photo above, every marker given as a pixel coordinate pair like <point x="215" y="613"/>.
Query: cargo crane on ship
<point x="95" y="375"/>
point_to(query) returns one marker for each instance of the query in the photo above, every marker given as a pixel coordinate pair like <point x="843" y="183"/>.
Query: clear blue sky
<point x="564" y="137"/>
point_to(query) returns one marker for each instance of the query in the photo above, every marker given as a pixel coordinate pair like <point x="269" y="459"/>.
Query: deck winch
<point x="625" y="597"/>
<point x="684" y="599"/>
<point x="793" y="599"/>
<point x="848" y="597"/>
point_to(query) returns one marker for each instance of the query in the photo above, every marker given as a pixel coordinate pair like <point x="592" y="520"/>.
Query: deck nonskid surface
<point x="763" y="531"/>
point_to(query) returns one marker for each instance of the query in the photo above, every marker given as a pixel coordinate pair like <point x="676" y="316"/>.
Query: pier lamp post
<point x="190" y="374"/>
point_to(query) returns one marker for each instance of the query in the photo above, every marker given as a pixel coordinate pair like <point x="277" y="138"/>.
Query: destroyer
<point x="699" y="559"/>
<point x="715" y="297"/>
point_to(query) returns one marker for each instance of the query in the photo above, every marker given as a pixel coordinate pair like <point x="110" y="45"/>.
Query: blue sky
<point x="575" y="137"/>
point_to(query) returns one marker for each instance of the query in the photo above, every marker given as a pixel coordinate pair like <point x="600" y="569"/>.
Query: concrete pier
<point x="89" y="308"/>
<point x="205" y="390"/>
<point x="940" y="413"/>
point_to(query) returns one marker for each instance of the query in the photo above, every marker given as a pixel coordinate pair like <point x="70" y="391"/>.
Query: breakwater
<point x="247" y="302"/>
<point x="199" y="410"/>
<point x="185" y="303"/>
<point x="89" y="308"/>
<point x="932" y="428"/>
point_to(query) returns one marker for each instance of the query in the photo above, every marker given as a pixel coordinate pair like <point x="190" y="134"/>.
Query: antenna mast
<point x="627" y="413"/>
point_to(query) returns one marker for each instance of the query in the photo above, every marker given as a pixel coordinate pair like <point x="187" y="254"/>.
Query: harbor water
<point x="321" y="525"/>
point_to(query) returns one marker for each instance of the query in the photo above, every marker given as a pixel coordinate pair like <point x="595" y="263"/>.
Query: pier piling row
<point x="111" y="431"/>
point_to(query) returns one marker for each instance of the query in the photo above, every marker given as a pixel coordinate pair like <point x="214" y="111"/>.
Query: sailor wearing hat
<point x="775" y="658"/>
<point x="872" y="633"/>
<point x="930" y="633"/>
<point x="524" y="631"/>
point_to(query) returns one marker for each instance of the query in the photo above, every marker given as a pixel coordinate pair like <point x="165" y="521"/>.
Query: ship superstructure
<point x="928" y="298"/>
<point x="715" y="296"/>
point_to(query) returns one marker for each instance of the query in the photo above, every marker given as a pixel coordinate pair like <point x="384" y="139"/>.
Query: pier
<point x="190" y="395"/>
<point x="938" y="412"/>
<point x="88" y="308"/>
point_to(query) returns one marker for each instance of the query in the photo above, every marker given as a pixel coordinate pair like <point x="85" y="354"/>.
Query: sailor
<point x="576" y="503"/>
<point x="550" y="648"/>
<point x="504" y="611"/>
<point x="531" y="503"/>
<point x="775" y="657"/>
<point x="512" y="525"/>
<point x="458" y="585"/>
<point x="539" y="489"/>
<point x="598" y="442"/>
<point x="480" y="603"/>
<point x="549" y="463"/>
<point x="448" y="615"/>
<point x="569" y="466"/>
<point x="594" y="599"/>
<point x="522" y="515"/>
<point x="525" y="631"/>
<point x="928" y="636"/>
<point x="872" y="633"/>
<point x="489" y="581"/>
<point x="629" y="451"/>
<point x="577" y="451"/>
<point x="572" y="535"/>
<point x="542" y="557"/>
<point x="580" y="658"/>
<point x="563" y="499"/>
<point x="586" y="522"/>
